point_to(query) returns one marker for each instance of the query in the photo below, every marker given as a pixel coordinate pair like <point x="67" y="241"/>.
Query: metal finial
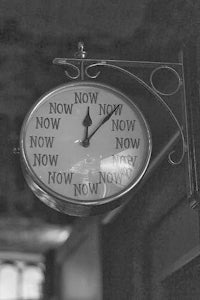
<point x="81" y="53"/>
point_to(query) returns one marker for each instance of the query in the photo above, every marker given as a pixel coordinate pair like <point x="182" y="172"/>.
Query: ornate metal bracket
<point x="81" y="68"/>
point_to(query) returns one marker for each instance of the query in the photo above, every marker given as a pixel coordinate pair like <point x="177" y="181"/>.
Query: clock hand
<point x="86" y="123"/>
<point x="85" y="142"/>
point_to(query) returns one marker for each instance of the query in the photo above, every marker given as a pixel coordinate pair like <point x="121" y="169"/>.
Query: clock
<point x="83" y="146"/>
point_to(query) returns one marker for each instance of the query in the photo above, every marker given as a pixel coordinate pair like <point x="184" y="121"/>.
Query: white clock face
<point x="85" y="142"/>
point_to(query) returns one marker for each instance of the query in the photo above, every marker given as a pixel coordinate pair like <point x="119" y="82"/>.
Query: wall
<point x="138" y="243"/>
<point x="80" y="265"/>
<point x="174" y="243"/>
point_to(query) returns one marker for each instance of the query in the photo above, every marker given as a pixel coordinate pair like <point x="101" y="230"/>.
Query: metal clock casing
<point x="84" y="145"/>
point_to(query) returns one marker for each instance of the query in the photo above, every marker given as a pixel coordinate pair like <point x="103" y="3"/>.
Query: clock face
<point x="84" y="145"/>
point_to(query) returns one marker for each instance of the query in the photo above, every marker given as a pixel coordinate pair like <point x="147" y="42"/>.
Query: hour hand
<point x="86" y="123"/>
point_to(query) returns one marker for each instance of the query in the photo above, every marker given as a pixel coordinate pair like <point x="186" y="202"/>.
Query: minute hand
<point x="107" y="117"/>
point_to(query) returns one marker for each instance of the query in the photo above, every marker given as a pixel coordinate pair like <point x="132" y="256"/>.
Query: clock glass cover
<point x="83" y="146"/>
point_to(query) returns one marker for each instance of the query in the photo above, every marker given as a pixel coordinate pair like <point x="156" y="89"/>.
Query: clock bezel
<point x="66" y="204"/>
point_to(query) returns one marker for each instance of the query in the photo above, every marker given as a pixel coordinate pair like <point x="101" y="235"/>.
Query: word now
<point x="108" y="177"/>
<point x="59" y="177"/>
<point x="126" y="143"/>
<point x="83" y="189"/>
<point x="105" y="109"/>
<point x="124" y="160"/>
<point x="47" y="123"/>
<point x="44" y="159"/>
<point x="80" y="97"/>
<point x="60" y="108"/>
<point x="121" y="125"/>
<point x="41" y="141"/>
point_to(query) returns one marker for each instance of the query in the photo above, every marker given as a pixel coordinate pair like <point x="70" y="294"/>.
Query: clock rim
<point x="70" y="205"/>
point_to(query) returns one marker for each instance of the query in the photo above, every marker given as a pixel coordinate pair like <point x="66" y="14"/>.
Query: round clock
<point x="83" y="147"/>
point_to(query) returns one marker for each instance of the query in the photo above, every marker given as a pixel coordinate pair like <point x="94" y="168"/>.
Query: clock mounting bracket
<point x="81" y="68"/>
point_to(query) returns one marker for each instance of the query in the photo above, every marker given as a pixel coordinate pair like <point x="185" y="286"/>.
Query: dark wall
<point x="126" y="241"/>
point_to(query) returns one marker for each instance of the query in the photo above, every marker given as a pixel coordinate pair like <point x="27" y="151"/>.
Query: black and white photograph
<point x="99" y="150"/>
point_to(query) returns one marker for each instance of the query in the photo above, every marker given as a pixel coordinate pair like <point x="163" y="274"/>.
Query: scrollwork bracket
<point x="82" y="68"/>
